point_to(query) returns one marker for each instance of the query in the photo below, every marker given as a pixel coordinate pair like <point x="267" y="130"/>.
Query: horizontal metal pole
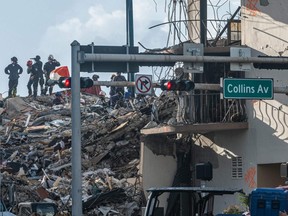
<point x="198" y="86"/>
<point x="114" y="83"/>
<point x="177" y="58"/>
<point x="283" y="90"/>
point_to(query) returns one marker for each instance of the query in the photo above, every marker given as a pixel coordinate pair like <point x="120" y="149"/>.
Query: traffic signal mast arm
<point x="66" y="82"/>
<point x="198" y="86"/>
<point x="86" y="82"/>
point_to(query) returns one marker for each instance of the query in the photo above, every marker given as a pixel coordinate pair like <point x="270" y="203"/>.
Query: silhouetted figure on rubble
<point x="119" y="90"/>
<point x="13" y="70"/>
<point x="37" y="73"/>
<point x="31" y="78"/>
<point x="48" y="67"/>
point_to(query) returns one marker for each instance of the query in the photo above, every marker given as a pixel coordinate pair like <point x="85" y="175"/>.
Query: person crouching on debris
<point x="13" y="70"/>
<point x="58" y="99"/>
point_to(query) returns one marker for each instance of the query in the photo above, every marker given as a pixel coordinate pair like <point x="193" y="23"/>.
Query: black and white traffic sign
<point x="143" y="84"/>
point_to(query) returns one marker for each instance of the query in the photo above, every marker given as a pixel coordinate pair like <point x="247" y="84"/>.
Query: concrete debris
<point x="35" y="154"/>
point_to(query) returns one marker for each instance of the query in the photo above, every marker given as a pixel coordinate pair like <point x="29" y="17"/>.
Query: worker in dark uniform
<point x="119" y="90"/>
<point x="31" y="78"/>
<point x="48" y="67"/>
<point x="40" y="73"/>
<point x="13" y="70"/>
<point x="119" y="78"/>
<point x="58" y="99"/>
<point x="37" y="72"/>
<point x="112" y="88"/>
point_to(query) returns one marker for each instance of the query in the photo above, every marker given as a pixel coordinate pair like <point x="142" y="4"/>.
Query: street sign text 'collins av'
<point x="248" y="88"/>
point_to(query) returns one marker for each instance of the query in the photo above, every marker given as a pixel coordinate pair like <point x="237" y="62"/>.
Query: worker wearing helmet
<point x="40" y="73"/>
<point x="31" y="78"/>
<point x="119" y="90"/>
<point x="49" y="66"/>
<point x="37" y="73"/>
<point x="13" y="70"/>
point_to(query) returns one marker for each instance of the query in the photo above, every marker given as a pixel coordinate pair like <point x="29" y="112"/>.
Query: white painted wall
<point x="157" y="170"/>
<point x="265" y="31"/>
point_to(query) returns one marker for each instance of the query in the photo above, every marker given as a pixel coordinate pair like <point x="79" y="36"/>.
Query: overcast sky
<point x="43" y="27"/>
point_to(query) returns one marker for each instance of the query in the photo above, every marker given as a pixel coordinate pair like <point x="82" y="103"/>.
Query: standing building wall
<point x="264" y="146"/>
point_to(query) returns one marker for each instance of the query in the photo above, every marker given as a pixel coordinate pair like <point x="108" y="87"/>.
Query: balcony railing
<point x="208" y="108"/>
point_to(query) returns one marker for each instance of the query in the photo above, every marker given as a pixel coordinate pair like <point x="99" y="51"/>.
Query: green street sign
<point x="248" y="88"/>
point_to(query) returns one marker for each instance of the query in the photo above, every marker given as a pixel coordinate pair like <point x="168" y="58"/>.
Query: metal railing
<point x="209" y="107"/>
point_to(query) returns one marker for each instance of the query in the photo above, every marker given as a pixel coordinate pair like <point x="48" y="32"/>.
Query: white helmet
<point x="50" y="57"/>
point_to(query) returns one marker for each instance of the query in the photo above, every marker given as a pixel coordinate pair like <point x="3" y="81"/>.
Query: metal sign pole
<point x="130" y="39"/>
<point x="76" y="133"/>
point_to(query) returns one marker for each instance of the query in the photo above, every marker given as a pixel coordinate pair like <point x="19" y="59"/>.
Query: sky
<point x="43" y="27"/>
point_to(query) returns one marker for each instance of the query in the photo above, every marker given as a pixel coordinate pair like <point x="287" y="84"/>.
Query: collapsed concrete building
<point x="36" y="152"/>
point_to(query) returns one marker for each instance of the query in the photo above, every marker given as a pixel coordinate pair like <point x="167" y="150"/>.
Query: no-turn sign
<point x="143" y="84"/>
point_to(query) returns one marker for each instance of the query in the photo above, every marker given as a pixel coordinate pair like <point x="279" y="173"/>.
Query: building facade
<point x="246" y="158"/>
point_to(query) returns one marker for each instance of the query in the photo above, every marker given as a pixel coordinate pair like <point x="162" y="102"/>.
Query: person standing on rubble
<point x="94" y="90"/>
<point x="119" y="90"/>
<point x="31" y="78"/>
<point x="13" y="70"/>
<point x="49" y="66"/>
<point x="37" y="73"/>
<point x="40" y="73"/>
<point x="112" y="89"/>
<point x="119" y="78"/>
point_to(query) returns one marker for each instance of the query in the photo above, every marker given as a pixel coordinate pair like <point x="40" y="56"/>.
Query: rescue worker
<point x="58" y="99"/>
<point x="119" y="90"/>
<point x="40" y="73"/>
<point x="112" y="90"/>
<point x="13" y="70"/>
<point x="30" y="82"/>
<point x="94" y="90"/>
<point x="48" y="67"/>
<point x="117" y="78"/>
<point x="37" y="72"/>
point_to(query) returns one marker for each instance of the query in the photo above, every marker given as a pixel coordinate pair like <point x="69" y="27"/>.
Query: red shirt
<point x="95" y="90"/>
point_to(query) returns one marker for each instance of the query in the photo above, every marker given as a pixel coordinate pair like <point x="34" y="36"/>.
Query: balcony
<point x="205" y="113"/>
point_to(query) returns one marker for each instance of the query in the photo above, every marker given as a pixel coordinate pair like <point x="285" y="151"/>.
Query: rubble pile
<point x="36" y="151"/>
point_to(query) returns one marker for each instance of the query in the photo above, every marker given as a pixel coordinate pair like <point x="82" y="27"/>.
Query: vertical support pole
<point x="203" y="20"/>
<point x="76" y="132"/>
<point x="130" y="38"/>
<point x="92" y="47"/>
